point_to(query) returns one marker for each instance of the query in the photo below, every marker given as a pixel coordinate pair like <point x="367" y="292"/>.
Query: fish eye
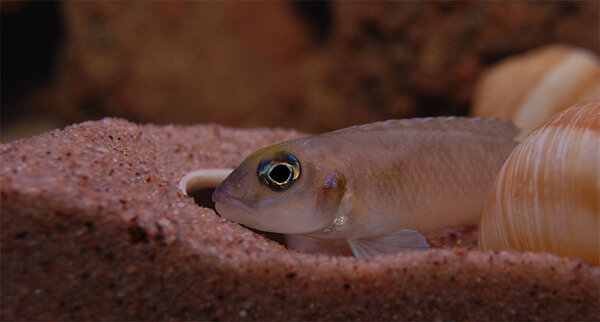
<point x="280" y="171"/>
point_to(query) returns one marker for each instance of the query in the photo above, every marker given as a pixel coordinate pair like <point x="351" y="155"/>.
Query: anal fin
<point x="402" y="240"/>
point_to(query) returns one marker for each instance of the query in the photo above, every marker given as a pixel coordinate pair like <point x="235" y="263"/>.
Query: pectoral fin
<point x="390" y="244"/>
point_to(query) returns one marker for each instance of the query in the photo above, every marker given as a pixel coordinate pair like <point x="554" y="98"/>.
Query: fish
<point x="378" y="186"/>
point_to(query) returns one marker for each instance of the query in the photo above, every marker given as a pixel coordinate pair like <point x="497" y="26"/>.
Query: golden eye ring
<point x="279" y="172"/>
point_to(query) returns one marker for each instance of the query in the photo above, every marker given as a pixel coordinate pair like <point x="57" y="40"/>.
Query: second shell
<point x="546" y="197"/>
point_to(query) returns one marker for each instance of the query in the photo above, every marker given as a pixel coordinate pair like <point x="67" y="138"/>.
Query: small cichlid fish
<point x="378" y="186"/>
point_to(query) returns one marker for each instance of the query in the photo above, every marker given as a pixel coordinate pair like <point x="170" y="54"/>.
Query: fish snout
<point x="227" y="189"/>
<point x="218" y="195"/>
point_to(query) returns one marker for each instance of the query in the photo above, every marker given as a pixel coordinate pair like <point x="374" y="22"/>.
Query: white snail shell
<point x="528" y="89"/>
<point x="202" y="178"/>
<point x="547" y="195"/>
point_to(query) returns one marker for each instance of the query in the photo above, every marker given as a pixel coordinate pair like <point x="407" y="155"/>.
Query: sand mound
<point x="95" y="227"/>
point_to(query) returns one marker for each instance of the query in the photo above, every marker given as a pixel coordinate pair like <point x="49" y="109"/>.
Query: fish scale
<point x="427" y="180"/>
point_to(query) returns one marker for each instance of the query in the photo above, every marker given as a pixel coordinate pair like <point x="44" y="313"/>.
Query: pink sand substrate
<point x="93" y="226"/>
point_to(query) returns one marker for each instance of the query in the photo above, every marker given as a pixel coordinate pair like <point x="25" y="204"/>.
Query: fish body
<point x="378" y="185"/>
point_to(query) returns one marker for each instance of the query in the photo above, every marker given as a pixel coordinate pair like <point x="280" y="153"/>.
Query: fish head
<point x="274" y="189"/>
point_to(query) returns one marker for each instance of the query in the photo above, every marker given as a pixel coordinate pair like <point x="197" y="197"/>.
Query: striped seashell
<point x="528" y="89"/>
<point x="547" y="195"/>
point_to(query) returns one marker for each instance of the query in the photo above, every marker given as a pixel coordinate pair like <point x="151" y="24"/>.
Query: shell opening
<point x="200" y="185"/>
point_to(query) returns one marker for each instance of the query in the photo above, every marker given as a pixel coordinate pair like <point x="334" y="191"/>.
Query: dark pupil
<point x="280" y="173"/>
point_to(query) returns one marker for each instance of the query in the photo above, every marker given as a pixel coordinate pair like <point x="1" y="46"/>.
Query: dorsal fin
<point x="491" y="126"/>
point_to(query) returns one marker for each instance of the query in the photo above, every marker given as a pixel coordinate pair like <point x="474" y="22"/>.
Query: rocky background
<point x="313" y="66"/>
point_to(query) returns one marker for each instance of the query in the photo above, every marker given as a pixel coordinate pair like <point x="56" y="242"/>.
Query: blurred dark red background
<point x="314" y="66"/>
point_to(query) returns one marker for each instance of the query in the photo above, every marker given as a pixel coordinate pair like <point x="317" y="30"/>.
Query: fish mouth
<point x="237" y="211"/>
<point x="252" y="215"/>
<point x="230" y="207"/>
<point x="221" y="196"/>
